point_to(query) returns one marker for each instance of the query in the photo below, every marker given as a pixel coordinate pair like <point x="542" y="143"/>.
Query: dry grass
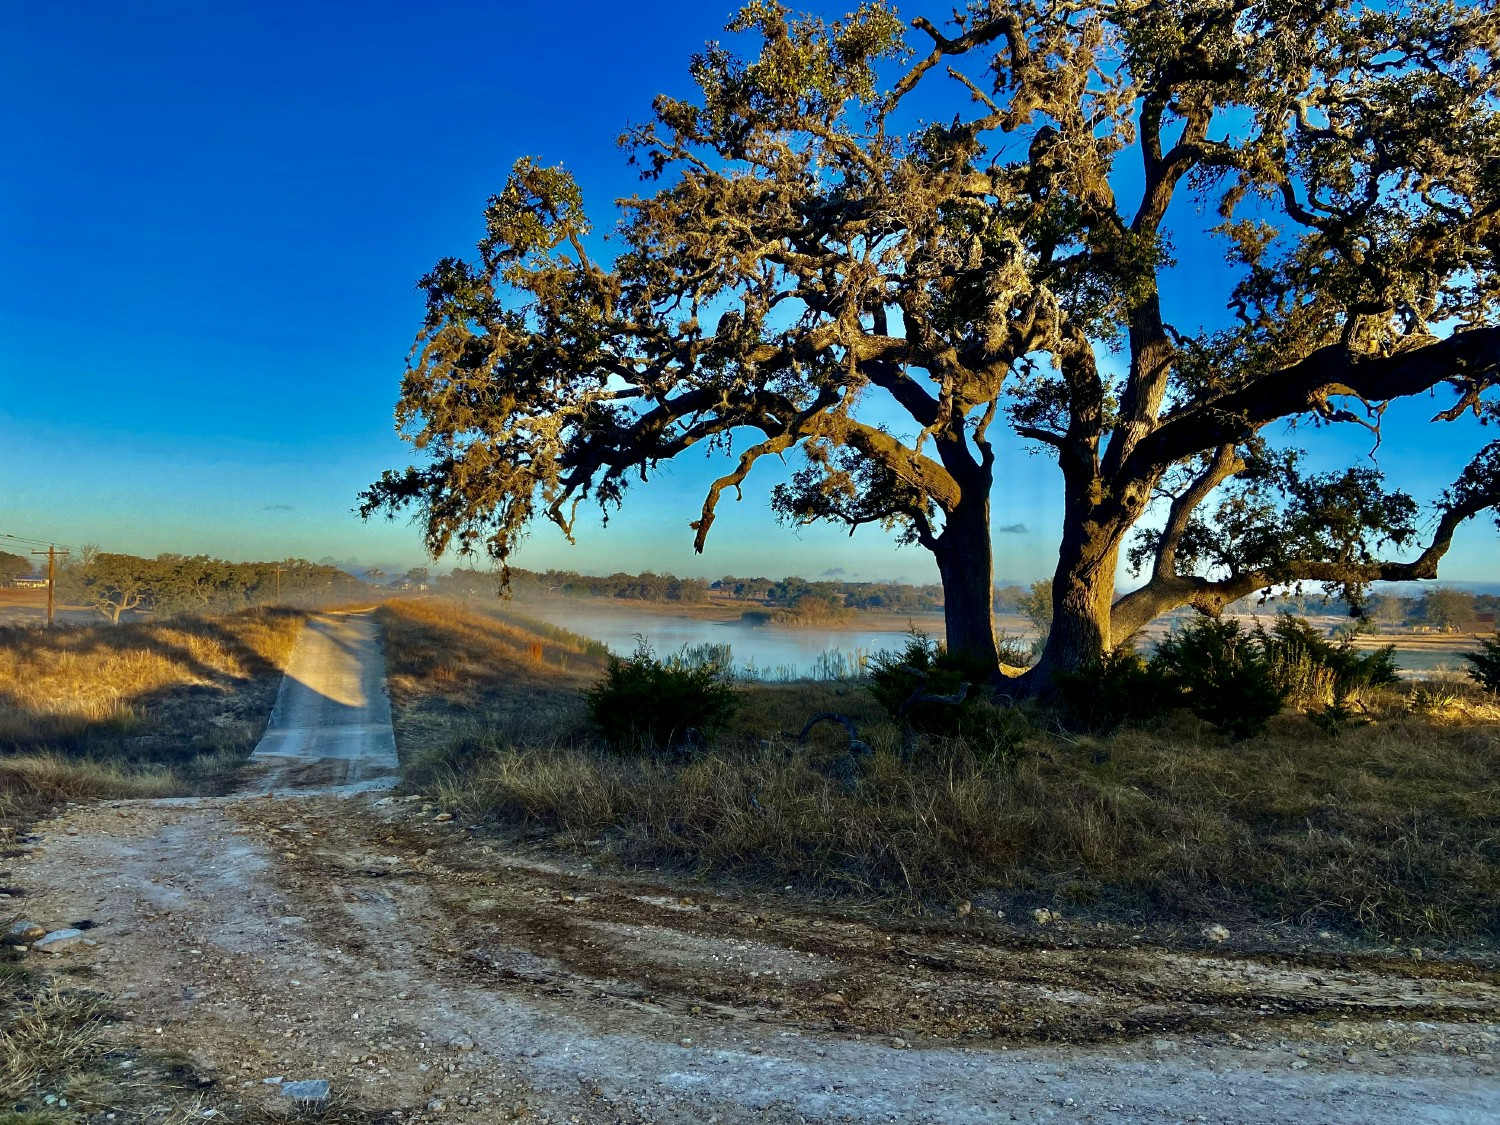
<point x="51" y="1039"/>
<point x="455" y="671"/>
<point x="60" y="1065"/>
<point x="1392" y="827"/>
<point x="135" y="710"/>
<point x="57" y="685"/>
<point x="32" y="780"/>
<point x="49" y="1033"/>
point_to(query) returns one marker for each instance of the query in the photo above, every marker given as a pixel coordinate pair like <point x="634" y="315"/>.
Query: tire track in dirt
<point x="364" y="942"/>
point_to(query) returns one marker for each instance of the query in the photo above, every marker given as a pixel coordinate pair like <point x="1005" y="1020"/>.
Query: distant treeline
<point x="115" y="584"/>
<point x="1441" y="607"/>
<point x="807" y="600"/>
<point x="13" y="566"/>
<point x="807" y="597"/>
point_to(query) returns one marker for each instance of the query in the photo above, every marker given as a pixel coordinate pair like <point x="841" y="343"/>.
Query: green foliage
<point x="1486" y="664"/>
<point x="645" y="704"/>
<point x="1433" y="698"/>
<point x="1121" y="688"/>
<point x="924" y="665"/>
<point x="992" y="734"/>
<point x="1224" y="675"/>
<point x="1337" y="717"/>
<point x="1014" y="651"/>
<point x="1310" y="669"/>
<point x="1036" y="605"/>
<point x="12" y="566"/>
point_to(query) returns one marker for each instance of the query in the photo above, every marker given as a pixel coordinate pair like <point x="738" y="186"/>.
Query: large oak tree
<point x="972" y="222"/>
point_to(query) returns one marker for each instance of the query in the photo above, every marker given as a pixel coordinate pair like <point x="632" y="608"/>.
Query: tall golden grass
<point x="454" y="671"/>
<point x="145" y="709"/>
<point x="58" y="682"/>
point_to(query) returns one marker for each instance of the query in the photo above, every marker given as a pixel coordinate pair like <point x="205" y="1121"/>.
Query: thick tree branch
<point x="1225" y="464"/>
<point x="1472" y="355"/>
<point x="1164" y="592"/>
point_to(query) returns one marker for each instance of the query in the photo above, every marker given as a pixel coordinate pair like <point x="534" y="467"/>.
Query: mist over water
<point x="766" y="651"/>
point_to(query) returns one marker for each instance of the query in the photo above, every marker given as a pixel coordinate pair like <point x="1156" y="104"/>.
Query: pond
<point x="783" y="652"/>
<point x="761" y="651"/>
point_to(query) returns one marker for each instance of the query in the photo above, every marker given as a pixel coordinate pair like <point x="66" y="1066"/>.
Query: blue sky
<point x="210" y="228"/>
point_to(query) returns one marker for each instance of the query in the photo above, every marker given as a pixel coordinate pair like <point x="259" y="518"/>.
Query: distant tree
<point x="813" y="251"/>
<point x="374" y="574"/>
<point x="1387" y="610"/>
<point x="12" y="567"/>
<point x="111" y="584"/>
<point x="1036" y="606"/>
<point x="1447" y="608"/>
<point x="417" y="574"/>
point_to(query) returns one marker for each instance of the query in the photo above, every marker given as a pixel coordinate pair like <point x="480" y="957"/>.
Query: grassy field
<point x="1391" y="828"/>
<point x="455" y="673"/>
<point x="138" y="709"/>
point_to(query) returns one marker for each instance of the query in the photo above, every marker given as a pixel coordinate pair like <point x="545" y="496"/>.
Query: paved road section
<point x="332" y="720"/>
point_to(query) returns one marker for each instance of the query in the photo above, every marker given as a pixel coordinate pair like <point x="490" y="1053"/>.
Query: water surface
<point x="767" y="651"/>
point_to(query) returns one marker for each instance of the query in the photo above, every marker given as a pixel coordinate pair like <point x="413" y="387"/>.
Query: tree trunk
<point x="965" y="559"/>
<point x="1083" y="591"/>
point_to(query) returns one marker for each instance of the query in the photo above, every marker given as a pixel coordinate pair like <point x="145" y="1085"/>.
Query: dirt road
<point x="332" y="720"/>
<point x="428" y="971"/>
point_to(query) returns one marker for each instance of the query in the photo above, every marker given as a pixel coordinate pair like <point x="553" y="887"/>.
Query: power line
<point x="36" y="542"/>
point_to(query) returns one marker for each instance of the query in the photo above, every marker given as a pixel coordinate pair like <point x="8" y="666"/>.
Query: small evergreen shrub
<point x="1311" y="669"/>
<point x="1224" y="675"/>
<point x="1336" y="718"/>
<point x="991" y="733"/>
<point x="1120" y="688"/>
<point x="1486" y="664"/>
<point x="645" y="704"/>
<point x="926" y="665"/>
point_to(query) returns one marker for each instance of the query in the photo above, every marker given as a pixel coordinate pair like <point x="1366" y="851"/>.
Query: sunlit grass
<point x="137" y="710"/>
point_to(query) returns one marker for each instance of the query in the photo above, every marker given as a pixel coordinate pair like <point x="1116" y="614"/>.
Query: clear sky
<point x="211" y="221"/>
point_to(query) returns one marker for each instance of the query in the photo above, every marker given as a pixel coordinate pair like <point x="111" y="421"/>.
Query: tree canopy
<point x="13" y="566"/>
<point x="116" y="584"/>
<point x="963" y="221"/>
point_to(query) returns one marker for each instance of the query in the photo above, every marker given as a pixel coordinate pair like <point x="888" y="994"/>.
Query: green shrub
<point x="992" y="734"/>
<point x="1224" y="674"/>
<point x="926" y="665"/>
<point x="1486" y="662"/>
<point x="1336" y="718"/>
<point x="645" y="703"/>
<point x="1121" y="688"/>
<point x="1310" y="669"/>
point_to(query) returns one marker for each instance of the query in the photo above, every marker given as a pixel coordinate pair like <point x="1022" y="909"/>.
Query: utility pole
<point x="51" y="553"/>
<point x="279" y="569"/>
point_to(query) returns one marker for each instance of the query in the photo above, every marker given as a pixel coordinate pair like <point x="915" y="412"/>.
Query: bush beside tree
<point x="1486" y="664"/>
<point x="645" y="704"/>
